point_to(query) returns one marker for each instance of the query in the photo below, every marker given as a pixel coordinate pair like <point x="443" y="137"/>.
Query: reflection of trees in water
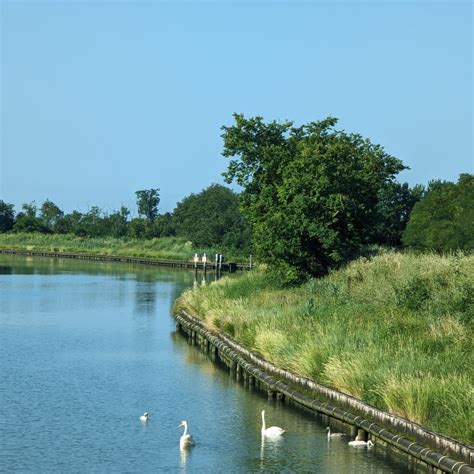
<point x="145" y="299"/>
<point x="6" y="270"/>
<point x="44" y="265"/>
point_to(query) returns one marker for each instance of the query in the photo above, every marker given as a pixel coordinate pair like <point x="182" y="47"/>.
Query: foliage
<point x="212" y="217"/>
<point x="395" y="202"/>
<point x="7" y="216"/>
<point x="310" y="193"/>
<point x="444" y="219"/>
<point x="70" y="224"/>
<point x="28" y="221"/>
<point x="50" y="215"/>
<point x="366" y="329"/>
<point x="174" y="248"/>
<point x="117" y="222"/>
<point x="147" y="203"/>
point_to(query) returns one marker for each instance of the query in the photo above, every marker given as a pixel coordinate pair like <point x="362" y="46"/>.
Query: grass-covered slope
<point x="395" y="331"/>
<point x="173" y="248"/>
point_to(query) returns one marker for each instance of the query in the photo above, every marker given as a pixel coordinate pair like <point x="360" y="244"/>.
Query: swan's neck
<point x="263" y="421"/>
<point x="185" y="429"/>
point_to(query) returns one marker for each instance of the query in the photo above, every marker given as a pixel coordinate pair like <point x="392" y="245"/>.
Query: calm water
<point x="86" y="348"/>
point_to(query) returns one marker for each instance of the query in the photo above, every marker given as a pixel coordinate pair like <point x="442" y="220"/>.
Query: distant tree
<point x="310" y="193"/>
<point x="212" y="218"/>
<point x="93" y="224"/>
<point x="70" y="224"/>
<point x="27" y="219"/>
<point x="7" y="216"/>
<point x="138" y="228"/>
<point x="50" y="215"/>
<point x="147" y="203"/>
<point x="443" y="219"/>
<point x="163" y="226"/>
<point x="117" y="222"/>
<point x="395" y="202"/>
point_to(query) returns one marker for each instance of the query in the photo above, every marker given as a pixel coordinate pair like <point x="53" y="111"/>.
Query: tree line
<point x="313" y="197"/>
<point x="209" y="218"/>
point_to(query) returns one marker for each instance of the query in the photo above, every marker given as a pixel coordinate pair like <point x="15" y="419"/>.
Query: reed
<point x="172" y="248"/>
<point x="395" y="330"/>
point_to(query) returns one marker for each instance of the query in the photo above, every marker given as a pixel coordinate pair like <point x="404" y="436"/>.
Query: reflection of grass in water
<point x="395" y="331"/>
<point x="20" y="264"/>
<point x="173" y="248"/>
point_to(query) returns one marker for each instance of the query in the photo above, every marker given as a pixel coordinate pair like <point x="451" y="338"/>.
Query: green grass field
<point x="395" y="331"/>
<point x="172" y="248"/>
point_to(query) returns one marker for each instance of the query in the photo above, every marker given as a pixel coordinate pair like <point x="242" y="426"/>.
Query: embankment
<point x="394" y="333"/>
<point x="435" y="450"/>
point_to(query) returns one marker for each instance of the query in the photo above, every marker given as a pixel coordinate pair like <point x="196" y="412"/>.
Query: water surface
<point x="87" y="347"/>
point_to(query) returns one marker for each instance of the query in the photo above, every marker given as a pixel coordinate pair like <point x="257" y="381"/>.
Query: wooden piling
<point x="447" y="454"/>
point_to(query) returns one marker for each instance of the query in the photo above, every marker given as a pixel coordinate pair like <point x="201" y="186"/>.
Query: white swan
<point x="144" y="417"/>
<point x="334" y="435"/>
<point x="361" y="444"/>
<point x="186" y="440"/>
<point x="272" y="431"/>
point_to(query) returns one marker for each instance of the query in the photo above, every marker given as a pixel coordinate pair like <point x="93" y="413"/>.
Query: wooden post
<point x="196" y="260"/>
<point x="204" y="264"/>
<point x="361" y="435"/>
<point x="238" y="372"/>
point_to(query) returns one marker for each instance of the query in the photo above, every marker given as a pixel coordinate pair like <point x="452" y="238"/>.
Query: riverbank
<point x="165" y="248"/>
<point x="395" y="331"/>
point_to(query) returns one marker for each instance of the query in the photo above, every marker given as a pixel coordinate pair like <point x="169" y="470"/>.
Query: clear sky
<point x="100" y="99"/>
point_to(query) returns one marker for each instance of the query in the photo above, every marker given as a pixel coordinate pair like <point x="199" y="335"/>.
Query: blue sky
<point x="101" y="99"/>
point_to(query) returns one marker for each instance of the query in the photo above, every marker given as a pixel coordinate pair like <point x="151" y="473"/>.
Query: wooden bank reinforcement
<point x="440" y="452"/>
<point x="210" y="265"/>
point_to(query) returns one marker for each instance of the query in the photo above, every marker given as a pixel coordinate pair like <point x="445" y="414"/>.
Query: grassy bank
<point x="395" y="331"/>
<point x="165" y="248"/>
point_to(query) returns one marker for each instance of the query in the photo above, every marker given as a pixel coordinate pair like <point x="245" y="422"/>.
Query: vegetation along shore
<point x="172" y="248"/>
<point x="394" y="330"/>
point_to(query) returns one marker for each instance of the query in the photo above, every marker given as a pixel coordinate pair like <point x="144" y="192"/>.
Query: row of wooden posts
<point x="204" y="261"/>
<point x="429" y="448"/>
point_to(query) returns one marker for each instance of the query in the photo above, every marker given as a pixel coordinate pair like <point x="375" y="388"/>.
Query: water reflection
<point x="145" y="298"/>
<point x="269" y="448"/>
<point x="184" y="454"/>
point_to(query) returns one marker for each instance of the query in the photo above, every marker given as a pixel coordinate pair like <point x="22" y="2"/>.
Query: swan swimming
<point x="144" y="417"/>
<point x="186" y="440"/>
<point x="360" y="443"/>
<point x="272" y="431"/>
<point x="334" y="435"/>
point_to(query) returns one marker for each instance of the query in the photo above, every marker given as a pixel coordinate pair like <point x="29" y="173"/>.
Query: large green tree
<point x="444" y="219"/>
<point x="310" y="193"/>
<point x="212" y="218"/>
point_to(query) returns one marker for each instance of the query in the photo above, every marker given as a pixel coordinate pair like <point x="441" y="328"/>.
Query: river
<point x="87" y="347"/>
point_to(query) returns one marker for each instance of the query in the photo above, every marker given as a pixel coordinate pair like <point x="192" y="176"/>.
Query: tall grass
<point x="395" y="330"/>
<point x="173" y="248"/>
